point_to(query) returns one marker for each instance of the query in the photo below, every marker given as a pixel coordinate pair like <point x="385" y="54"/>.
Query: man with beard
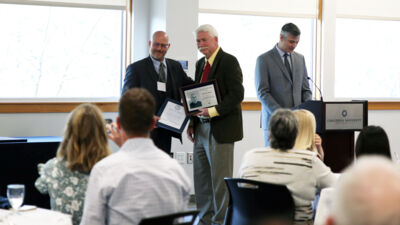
<point x="162" y="77"/>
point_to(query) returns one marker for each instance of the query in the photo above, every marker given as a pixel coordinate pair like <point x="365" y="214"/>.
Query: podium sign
<point x="345" y="116"/>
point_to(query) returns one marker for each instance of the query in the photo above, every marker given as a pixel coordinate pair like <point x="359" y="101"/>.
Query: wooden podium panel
<point x="338" y="148"/>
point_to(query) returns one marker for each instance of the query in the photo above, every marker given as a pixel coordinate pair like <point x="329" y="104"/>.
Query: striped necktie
<point x="161" y="73"/>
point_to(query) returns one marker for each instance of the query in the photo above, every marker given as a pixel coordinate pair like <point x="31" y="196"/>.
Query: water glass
<point x="15" y="195"/>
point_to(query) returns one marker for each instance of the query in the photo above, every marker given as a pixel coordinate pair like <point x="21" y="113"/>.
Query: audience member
<point x="300" y="170"/>
<point x="367" y="193"/>
<point x="307" y="139"/>
<point x="139" y="180"/>
<point x="373" y="140"/>
<point x="65" y="177"/>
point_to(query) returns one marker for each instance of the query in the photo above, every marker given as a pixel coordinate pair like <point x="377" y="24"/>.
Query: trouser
<point x="212" y="161"/>
<point x="266" y="141"/>
<point x="162" y="139"/>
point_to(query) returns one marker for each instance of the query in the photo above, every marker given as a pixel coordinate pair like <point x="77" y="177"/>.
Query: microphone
<point x="316" y="86"/>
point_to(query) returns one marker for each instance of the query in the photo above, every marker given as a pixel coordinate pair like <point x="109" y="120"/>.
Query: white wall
<point x="140" y="29"/>
<point x="52" y="124"/>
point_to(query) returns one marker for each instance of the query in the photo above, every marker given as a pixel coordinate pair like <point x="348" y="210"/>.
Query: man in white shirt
<point x="139" y="180"/>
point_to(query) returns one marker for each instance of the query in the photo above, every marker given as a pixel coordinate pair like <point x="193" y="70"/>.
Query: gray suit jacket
<point x="275" y="89"/>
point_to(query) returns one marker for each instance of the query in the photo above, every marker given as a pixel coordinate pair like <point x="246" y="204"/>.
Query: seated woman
<point x="65" y="177"/>
<point x="307" y="139"/>
<point x="300" y="170"/>
<point x="373" y="140"/>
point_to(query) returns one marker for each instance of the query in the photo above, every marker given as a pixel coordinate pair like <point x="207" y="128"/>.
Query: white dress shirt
<point x="136" y="182"/>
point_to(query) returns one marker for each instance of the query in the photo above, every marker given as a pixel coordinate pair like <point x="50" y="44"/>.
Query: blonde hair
<point x="85" y="139"/>
<point x="307" y="127"/>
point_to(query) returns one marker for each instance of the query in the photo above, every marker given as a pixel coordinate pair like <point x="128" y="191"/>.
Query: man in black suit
<point x="162" y="77"/>
<point x="216" y="128"/>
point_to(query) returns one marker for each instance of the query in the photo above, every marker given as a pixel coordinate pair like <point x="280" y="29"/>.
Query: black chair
<point x="253" y="202"/>
<point x="4" y="204"/>
<point x="172" y="219"/>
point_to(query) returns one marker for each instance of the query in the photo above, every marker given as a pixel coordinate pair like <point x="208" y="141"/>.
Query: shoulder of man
<point x="111" y="161"/>
<point x="140" y="62"/>
<point x="172" y="61"/>
<point x="296" y="54"/>
<point x="224" y="56"/>
<point x="270" y="52"/>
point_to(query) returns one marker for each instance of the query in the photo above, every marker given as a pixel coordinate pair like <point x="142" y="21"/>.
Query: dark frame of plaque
<point x="165" y="126"/>
<point x="202" y="95"/>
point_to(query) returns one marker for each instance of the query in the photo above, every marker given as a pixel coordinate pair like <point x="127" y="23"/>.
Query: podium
<point x="336" y="123"/>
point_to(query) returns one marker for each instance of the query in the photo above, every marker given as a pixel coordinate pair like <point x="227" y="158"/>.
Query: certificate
<point x="199" y="96"/>
<point x="172" y="116"/>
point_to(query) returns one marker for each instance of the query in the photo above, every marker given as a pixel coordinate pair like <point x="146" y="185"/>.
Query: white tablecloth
<point x="34" y="217"/>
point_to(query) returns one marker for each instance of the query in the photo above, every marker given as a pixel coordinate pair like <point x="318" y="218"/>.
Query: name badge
<point x="161" y="86"/>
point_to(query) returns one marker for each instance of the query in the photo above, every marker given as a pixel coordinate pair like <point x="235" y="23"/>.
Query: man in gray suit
<point x="281" y="76"/>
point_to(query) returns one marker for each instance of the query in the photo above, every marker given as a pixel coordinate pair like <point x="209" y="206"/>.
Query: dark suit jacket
<point x="228" y="126"/>
<point x="142" y="74"/>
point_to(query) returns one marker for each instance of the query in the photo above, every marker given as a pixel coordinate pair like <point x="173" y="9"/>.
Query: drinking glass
<point x="15" y="195"/>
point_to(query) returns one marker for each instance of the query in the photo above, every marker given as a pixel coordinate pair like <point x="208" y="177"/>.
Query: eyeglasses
<point x="156" y="45"/>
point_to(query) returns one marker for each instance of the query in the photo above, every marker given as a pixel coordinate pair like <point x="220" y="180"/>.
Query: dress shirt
<point x="282" y="53"/>
<point x="212" y="111"/>
<point x="137" y="182"/>
<point x="157" y="63"/>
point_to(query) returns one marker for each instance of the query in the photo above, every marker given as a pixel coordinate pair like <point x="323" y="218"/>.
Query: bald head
<point x="367" y="193"/>
<point x="160" y="34"/>
<point x="159" y="45"/>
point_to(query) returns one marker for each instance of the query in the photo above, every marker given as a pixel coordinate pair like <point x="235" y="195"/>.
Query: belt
<point x="205" y="120"/>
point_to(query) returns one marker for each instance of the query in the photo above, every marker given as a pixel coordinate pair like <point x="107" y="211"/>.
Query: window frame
<point x="49" y="105"/>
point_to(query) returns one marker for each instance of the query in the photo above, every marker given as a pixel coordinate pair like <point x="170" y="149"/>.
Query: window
<point x="367" y="62"/>
<point x="49" y="52"/>
<point x="248" y="36"/>
<point x="365" y="50"/>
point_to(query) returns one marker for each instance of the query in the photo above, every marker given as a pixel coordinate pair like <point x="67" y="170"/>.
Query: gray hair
<point x="282" y="129"/>
<point x="290" y="28"/>
<point x="206" y="28"/>
<point x="368" y="193"/>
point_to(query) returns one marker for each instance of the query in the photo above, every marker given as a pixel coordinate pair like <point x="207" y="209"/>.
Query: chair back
<point x="183" y="218"/>
<point x="254" y="202"/>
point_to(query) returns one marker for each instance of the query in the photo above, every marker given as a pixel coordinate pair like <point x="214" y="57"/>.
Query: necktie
<point x="206" y="71"/>
<point x="161" y="73"/>
<point x="287" y="65"/>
